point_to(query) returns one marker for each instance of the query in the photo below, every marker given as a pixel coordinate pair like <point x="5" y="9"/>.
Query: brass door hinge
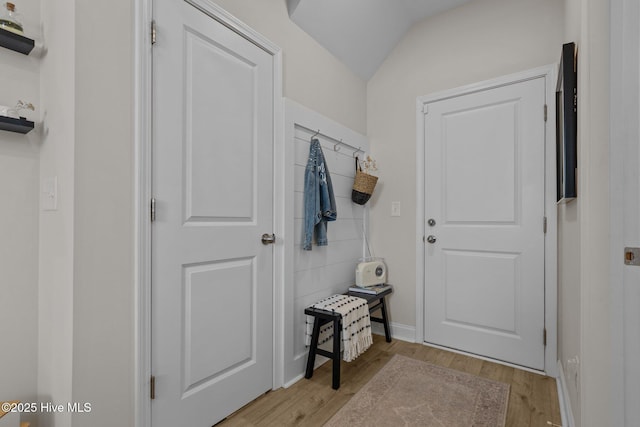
<point x="153" y="32"/>
<point x="152" y="387"/>
<point x="545" y="112"/>
<point x="544" y="337"/>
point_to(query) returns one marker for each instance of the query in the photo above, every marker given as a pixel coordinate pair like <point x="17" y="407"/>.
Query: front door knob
<point x="431" y="239"/>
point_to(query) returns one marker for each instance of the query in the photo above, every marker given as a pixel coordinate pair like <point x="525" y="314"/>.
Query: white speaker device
<point x="371" y="273"/>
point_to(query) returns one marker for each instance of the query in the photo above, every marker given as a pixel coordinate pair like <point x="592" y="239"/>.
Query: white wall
<point x="477" y="41"/>
<point x="584" y="291"/>
<point x="569" y="247"/>
<point x="587" y="23"/>
<point x="325" y="270"/>
<point x="103" y="285"/>
<point x="19" y="164"/>
<point x="55" y="290"/>
<point x="312" y="76"/>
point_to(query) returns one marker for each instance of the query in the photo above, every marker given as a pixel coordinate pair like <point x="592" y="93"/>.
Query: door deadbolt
<point x="431" y="222"/>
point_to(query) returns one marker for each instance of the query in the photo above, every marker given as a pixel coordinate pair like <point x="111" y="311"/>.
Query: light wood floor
<point x="533" y="398"/>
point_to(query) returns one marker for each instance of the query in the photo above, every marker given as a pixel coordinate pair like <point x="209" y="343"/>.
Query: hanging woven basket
<point x="363" y="185"/>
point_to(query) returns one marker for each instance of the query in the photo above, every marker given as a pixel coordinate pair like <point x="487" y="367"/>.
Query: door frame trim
<point x="143" y="16"/>
<point x="623" y="159"/>
<point x="549" y="73"/>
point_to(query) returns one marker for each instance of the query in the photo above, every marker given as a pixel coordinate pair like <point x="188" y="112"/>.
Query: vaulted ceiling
<point x="361" y="33"/>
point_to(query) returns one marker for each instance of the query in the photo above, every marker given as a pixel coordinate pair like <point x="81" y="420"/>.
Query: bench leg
<point x="385" y="322"/>
<point x="337" y="333"/>
<point x="311" y="359"/>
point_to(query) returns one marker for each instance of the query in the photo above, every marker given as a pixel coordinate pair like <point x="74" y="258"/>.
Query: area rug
<point x="409" y="392"/>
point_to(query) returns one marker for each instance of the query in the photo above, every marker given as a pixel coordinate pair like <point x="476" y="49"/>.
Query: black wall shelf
<point x="23" y="45"/>
<point x="16" y="42"/>
<point x="20" y="125"/>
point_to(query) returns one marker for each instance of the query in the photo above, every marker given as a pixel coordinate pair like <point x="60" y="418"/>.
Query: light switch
<point x="49" y="195"/>
<point x="395" y="208"/>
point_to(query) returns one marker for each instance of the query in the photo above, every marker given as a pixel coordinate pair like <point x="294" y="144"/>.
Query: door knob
<point x="268" y="239"/>
<point x="431" y="239"/>
<point x="431" y="222"/>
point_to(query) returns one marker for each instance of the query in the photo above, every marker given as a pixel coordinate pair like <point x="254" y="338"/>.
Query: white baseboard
<point x="398" y="331"/>
<point x="320" y="360"/>
<point x="293" y="381"/>
<point x="563" y="399"/>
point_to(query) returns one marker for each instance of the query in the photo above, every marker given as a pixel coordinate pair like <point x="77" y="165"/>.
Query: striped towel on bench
<point x="356" y="324"/>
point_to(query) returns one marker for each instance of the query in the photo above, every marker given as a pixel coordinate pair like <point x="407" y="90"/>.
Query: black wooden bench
<point x="322" y="317"/>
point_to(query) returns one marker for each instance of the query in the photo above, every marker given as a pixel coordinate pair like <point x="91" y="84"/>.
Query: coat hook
<point x="357" y="151"/>
<point x="316" y="134"/>
<point x="336" y="147"/>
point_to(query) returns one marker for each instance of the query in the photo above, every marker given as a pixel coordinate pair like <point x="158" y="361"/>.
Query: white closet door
<point x="212" y="286"/>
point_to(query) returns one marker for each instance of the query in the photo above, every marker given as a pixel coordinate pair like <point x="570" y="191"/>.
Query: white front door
<point x="484" y="191"/>
<point x="212" y="277"/>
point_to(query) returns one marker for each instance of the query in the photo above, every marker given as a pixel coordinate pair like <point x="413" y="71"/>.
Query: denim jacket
<point x="319" y="201"/>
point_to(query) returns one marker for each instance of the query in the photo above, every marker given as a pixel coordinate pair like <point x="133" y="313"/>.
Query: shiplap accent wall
<point x="325" y="270"/>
